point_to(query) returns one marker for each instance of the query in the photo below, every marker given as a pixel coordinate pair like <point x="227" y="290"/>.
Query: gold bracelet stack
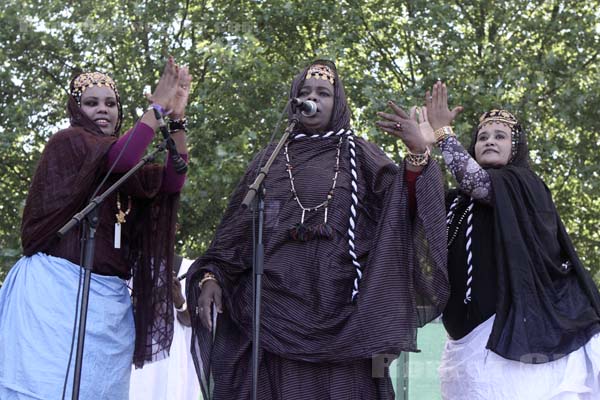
<point x="416" y="159"/>
<point x="442" y="133"/>
<point x="208" y="276"/>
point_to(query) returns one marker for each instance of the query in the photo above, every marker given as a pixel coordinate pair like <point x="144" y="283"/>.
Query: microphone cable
<point x="272" y="138"/>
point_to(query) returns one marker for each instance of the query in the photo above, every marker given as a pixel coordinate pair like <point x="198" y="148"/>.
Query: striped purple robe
<point x="316" y="342"/>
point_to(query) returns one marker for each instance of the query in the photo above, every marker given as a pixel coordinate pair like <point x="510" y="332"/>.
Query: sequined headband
<point x="320" y="71"/>
<point x="500" y="116"/>
<point x="89" y="79"/>
<point x="506" y="118"/>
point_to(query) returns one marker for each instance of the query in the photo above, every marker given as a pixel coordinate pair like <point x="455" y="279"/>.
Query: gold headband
<point x="89" y="79"/>
<point x="320" y="71"/>
<point x="500" y="116"/>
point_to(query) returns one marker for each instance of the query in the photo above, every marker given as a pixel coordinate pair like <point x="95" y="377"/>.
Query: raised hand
<point x="167" y="86"/>
<point x="419" y="114"/>
<point x="437" y="107"/>
<point x="180" y="99"/>
<point x="401" y="125"/>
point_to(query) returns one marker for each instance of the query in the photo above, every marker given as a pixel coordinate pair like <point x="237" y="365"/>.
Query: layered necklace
<point x="449" y="223"/>
<point x="301" y="231"/>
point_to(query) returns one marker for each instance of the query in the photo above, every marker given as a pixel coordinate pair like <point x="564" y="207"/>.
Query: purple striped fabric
<point x="310" y="326"/>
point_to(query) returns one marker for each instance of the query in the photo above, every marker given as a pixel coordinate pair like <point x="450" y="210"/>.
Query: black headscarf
<point x="547" y="303"/>
<point x="340" y="118"/>
<point x="520" y="148"/>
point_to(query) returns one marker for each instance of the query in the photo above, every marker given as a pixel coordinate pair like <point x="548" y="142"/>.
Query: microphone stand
<point x="256" y="198"/>
<point x="89" y="215"/>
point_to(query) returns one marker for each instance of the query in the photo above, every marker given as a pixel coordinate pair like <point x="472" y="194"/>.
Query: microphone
<point x="179" y="163"/>
<point x="308" y="107"/>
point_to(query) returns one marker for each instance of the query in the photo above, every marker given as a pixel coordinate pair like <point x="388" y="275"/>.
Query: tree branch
<point x="178" y="36"/>
<point x="382" y="49"/>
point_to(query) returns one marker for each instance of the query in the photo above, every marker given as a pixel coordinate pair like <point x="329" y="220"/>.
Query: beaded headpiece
<point x="500" y="116"/>
<point x="320" y="71"/>
<point x="81" y="83"/>
<point x="89" y="79"/>
<point x="506" y="118"/>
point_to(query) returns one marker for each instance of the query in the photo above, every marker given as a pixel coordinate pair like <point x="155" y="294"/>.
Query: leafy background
<point x="538" y="59"/>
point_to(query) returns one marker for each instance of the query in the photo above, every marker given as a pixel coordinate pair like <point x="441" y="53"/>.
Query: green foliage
<point x="538" y="59"/>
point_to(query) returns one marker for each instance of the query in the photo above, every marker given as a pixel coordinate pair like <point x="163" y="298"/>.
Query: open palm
<point x="180" y="99"/>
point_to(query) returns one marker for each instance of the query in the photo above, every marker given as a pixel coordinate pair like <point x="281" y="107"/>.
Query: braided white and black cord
<point x="469" y="252"/>
<point x="353" y="215"/>
<point x="326" y="135"/>
<point x="468" y="213"/>
<point x="450" y="215"/>
<point x="354" y="204"/>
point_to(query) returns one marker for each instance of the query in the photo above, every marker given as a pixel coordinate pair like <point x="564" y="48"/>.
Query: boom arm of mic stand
<point x="264" y="171"/>
<point x="96" y="201"/>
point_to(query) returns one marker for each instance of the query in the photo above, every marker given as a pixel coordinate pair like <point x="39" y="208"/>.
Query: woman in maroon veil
<point x="134" y="240"/>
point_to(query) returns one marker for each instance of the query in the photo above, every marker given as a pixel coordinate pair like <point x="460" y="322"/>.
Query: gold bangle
<point x="443" y="133"/>
<point x="416" y="159"/>
<point x="208" y="276"/>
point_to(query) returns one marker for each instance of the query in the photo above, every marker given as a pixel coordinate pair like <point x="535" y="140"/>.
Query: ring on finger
<point x="398" y="126"/>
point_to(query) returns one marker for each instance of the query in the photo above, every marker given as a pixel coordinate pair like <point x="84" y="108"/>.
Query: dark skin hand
<point x="405" y="127"/>
<point x="211" y="293"/>
<point x="401" y="125"/>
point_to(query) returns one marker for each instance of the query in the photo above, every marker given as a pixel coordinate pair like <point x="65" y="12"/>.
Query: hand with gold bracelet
<point x="210" y="293"/>
<point x="408" y="129"/>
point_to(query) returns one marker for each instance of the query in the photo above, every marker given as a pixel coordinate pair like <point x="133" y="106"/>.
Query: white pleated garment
<point x="469" y="371"/>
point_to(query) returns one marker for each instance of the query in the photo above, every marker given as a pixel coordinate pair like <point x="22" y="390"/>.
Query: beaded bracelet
<point x="208" y="276"/>
<point x="416" y="159"/>
<point x="443" y="133"/>
<point x="159" y="108"/>
<point x="179" y="124"/>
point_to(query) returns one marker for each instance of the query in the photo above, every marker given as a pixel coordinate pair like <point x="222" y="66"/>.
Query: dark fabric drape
<point x="546" y="309"/>
<point x="460" y="318"/>
<point x="307" y="312"/>
<point x="70" y="168"/>
<point x="66" y="174"/>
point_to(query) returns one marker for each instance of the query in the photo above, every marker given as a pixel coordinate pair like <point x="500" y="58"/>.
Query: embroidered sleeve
<point x="472" y="179"/>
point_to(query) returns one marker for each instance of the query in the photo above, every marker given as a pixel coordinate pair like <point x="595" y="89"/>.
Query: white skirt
<point x="470" y="371"/>
<point x="174" y="377"/>
<point x="37" y="314"/>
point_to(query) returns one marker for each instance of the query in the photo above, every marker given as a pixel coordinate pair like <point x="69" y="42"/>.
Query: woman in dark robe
<point x="134" y="240"/>
<point x="343" y="289"/>
<point x="523" y="317"/>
